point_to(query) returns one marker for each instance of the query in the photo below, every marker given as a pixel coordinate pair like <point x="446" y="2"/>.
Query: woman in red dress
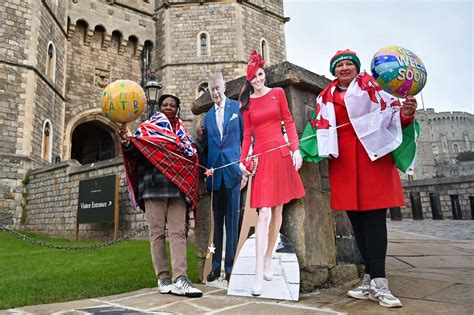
<point x="276" y="180"/>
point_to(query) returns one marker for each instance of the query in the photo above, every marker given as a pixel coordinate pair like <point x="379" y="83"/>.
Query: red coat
<point x="356" y="182"/>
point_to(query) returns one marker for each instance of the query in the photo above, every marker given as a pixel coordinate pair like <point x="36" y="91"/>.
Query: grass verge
<point x="32" y="274"/>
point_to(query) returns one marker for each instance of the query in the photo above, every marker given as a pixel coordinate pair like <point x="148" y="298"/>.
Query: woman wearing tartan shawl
<point x="161" y="166"/>
<point x="356" y="126"/>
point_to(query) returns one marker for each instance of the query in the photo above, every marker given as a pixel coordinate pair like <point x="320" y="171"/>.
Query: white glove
<point x="244" y="170"/>
<point x="243" y="182"/>
<point x="297" y="160"/>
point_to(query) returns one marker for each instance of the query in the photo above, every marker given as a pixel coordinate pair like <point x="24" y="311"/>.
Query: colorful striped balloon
<point x="123" y="101"/>
<point x="398" y="71"/>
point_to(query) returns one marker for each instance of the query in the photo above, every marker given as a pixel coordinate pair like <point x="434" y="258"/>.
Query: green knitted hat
<point x="344" y="55"/>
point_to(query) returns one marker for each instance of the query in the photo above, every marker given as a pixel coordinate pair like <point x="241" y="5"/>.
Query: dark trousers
<point x="226" y="206"/>
<point x="370" y="230"/>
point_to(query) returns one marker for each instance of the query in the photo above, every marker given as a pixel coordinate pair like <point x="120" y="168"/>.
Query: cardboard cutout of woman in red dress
<point x="276" y="180"/>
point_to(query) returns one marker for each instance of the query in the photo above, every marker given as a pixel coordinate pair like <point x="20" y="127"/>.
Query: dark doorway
<point x="92" y="142"/>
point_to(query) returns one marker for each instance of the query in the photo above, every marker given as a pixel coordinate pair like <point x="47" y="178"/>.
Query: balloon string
<point x="211" y="170"/>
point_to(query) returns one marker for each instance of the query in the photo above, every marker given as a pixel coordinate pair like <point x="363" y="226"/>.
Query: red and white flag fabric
<point x="375" y="117"/>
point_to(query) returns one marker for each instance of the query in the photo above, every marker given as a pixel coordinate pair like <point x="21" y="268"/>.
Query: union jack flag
<point x="171" y="152"/>
<point x="158" y="129"/>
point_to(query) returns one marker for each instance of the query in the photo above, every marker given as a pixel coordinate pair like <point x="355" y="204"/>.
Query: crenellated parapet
<point x="131" y="18"/>
<point x="269" y="7"/>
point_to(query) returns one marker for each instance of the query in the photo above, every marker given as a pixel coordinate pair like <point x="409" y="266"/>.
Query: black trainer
<point x="213" y="275"/>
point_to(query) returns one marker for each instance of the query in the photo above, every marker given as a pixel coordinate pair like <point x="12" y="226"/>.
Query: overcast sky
<point x="440" y="32"/>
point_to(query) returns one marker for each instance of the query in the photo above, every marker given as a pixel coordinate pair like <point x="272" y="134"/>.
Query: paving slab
<point x="466" y="247"/>
<point x="415" y="288"/>
<point x="263" y="308"/>
<point x="322" y="297"/>
<point x="433" y="249"/>
<point x="57" y="307"/>
<point x="456" y="293"/>
<point x="401" y="249"/>
<point x="183" y="308"/>
<point x="122" y="296"/>
<point x="453" y="275"/>
<point x="408" y="236"/>
<point x="393" y="263"/>
<point x="147" y="301"/>
<point x="218" y="302"/>
<point x="439" y="261"/>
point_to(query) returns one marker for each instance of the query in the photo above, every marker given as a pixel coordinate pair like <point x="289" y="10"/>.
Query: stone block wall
<point x="93" y="65"/>
<point x="443" y="136"/>
<point x="463" y="186"/>
<point x="51" y="201"/>
<point x="15" y="31"/>
<point x="239" y="28"/>
<point x="130" y="17"/>
<point x="261" y="24"/>
<point x="29" y="94"/>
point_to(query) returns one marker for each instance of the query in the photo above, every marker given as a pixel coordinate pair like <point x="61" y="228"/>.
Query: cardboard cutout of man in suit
<point x="222" y="132"/>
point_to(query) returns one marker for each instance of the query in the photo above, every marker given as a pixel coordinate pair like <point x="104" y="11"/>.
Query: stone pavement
<point x="428" y="268"/>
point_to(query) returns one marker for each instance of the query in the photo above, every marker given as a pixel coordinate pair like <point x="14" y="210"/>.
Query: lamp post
<point x="151" y="90"/>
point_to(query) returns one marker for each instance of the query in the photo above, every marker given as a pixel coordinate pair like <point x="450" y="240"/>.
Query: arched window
<point x="146" y="60"/>
<point x="203" y="44"/>
<point x="202" y="88"/>
<point x="132" y="45"/>
<point x="47" y="141"/>
<point x="51" y="61"/>
<point x="116" y="39"/>
<point x="435" y="150"/>
<point x="264" y="50"/>
<point x="444" y="144"/>
<point x="455" y="148"/>
<point x="99" y="35"/>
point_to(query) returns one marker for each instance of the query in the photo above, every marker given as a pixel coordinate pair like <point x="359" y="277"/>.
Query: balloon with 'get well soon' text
<point x="398" y="71"/>
<point x="123" y="101"/>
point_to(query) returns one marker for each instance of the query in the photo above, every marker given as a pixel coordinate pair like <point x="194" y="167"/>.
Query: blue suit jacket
<point x="227" y="150"/>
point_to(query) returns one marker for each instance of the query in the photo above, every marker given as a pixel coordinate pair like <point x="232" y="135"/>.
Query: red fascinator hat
<point x="255" y="61"/>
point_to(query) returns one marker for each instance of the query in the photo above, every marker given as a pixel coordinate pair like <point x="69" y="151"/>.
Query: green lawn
<point x="32" y="274"/>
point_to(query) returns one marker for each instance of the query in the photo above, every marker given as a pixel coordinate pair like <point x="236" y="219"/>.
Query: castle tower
<point x="197" y="37"/>
<point x="56" y="56"/>
<point x="107" y="40"/>
<point x="32" y="84"/>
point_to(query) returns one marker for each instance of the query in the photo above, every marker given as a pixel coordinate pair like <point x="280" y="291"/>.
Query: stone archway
<point x="90" y="137"/>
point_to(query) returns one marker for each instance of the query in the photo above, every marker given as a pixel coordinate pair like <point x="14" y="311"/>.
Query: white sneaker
<point x="165" y="285"/>
<point x="379" y="292"/>
<point x="362" y="291"/>
<point x="182" y="286"/>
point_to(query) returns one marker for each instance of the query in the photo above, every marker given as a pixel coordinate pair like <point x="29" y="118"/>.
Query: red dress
<point x="276" y="180"/>
<point x="356" y="182"/>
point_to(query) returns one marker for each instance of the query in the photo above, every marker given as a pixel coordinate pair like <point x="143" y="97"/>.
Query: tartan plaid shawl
<point x="157" y="141"/>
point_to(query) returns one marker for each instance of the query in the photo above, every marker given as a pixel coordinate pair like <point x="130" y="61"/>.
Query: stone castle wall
<point x="31" y="95"/>
<point x="52" y="194"/>
<point x="104" y="44"/>
<point x="443" y="136"/>
<point x="238" y="28"/>
<point x="463" y="186"/>
<point x="180" y="69"/>
<point x="270" y="28"/>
